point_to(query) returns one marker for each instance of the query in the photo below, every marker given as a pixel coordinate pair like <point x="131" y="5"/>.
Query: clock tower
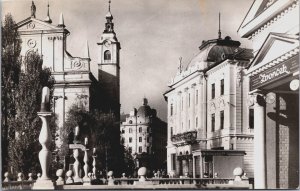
<point x="109" y="67"/>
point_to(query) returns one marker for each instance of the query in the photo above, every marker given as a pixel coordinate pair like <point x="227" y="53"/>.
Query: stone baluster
<point x="86" y="178"/>
<point x="111" y="180"/>
<point x="94" y="163"/>
<point x="76" y="166"/>
<point x="59" y="174"/>
<point x="20" y="176"/>
<point x="39" y="176"/>
<point x="69" y="175"/>
<point x="7" y="177"/>
<point x="30" y="177"/>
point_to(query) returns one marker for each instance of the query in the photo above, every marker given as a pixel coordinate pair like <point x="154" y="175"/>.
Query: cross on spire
<point x="48" y="19"/>
<point x="109" y="5"/>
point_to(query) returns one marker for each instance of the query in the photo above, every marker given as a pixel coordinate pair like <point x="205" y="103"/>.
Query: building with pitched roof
<point x="273" y="27"/>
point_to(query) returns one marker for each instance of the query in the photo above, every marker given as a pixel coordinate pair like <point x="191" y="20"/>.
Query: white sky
<point x="153" y="35"/>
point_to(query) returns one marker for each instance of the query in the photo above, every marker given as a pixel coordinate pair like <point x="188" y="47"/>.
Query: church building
<point x="74" y="81"/>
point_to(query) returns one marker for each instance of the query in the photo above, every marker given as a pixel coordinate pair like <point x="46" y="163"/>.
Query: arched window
<point x="107" y="55"/>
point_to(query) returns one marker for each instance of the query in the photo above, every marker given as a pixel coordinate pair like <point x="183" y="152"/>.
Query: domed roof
<point x="144" y="110"/>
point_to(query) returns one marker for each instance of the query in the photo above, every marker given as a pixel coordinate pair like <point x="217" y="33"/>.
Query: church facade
<point x="74" y="82"/>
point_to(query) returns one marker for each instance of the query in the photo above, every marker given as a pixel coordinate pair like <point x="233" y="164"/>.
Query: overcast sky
<point x="153" y="35"/>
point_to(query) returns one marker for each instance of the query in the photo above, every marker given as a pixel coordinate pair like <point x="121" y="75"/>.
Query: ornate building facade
<point x="143" y="133"/>
<point x="273" y="28"/>
<point x="74" y="81"/>
<point x="208" y="120"/>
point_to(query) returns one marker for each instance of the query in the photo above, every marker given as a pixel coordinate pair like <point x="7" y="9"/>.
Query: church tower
<point x="109" y="67"/>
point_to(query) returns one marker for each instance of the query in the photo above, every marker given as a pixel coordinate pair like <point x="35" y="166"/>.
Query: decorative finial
<point x="61" y="21"/>
<point x="219" y="33"/>
<point x="45" y="105"/>
<point x="33" y="10"/>
<point x="180" y="65"/>
<point x="48" y="15"/>
<point x="87" y="51"/>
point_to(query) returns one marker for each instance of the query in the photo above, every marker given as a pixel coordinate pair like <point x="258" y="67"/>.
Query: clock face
<point x="107" y="43"/>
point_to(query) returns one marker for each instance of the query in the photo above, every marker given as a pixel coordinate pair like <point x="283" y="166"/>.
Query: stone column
<point x="193" y="105"/>
<point x="178" y="113"/>
<point x="259" y="142"/>
<point x="185" y="167"/>
<point x="186" y="110"/>
<point x="194" y="166"/>
<point x="45" y="140"/>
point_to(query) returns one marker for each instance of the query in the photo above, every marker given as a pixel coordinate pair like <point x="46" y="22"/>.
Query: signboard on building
<point x="274" y="73"/>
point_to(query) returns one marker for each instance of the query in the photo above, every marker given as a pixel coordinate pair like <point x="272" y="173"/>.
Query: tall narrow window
<point x="212" y="91"/>
<point x="130" y="130"/>
<point x="130" y="139"/>
<point x="221" y="119"/>
<point x="196" y="97"/>
<point x="251" y="118"/>
<point x="140" y="139"/>
<point x="107" y="55"/>
<point x="222" y="87"/>
<point x="212" y="122"/>
<point x="148" y="150"/>
<point x="140" y="149"/>
<point x="171" y="131"/>
<point x="140" y="129"/>
<point x="147" y="139"/>
<point x="196" y="122"/>
<point x="171" y="109"/>
<point x="189" y="99"/>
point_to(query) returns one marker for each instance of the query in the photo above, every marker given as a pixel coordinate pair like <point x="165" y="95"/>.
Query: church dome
<point x="144" y="110"/>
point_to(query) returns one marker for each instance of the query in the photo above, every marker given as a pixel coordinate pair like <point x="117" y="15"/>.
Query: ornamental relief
<point x="76" y="64"/>
<point x="31" y="43"/>
<point x="55" y="38"/>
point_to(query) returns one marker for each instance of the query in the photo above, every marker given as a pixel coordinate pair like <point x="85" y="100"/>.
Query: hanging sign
<point x="274" y="73"/>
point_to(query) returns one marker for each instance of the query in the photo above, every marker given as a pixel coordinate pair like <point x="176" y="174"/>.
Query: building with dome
<point x="210" y="129"/>
<point x="143" y="134"/>
<point x="74" y="81"/>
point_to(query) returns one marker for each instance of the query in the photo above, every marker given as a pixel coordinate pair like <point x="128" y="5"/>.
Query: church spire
<point x="48" y="15"/>
<point x="109" y="25"/>
<point x="219" y="33"/>
<point x="33" y="10"/>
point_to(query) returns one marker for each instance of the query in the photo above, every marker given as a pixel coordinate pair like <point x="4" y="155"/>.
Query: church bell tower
<point x="109" y="67"/>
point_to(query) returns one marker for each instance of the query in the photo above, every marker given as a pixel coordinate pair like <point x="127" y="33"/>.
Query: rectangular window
<point x="147" y="139"/>
<point x="140" y="149"/>
<point x="140" y="129"/>
<point x="140" y="139"/>
<point x="212" y="91"/>
<point x="221" y="119"/>
<point x="148" y="150"/>
<point x="196" y="97"/>
<point x="130" y="139"/>
<point x="171" y="110"/>
<point x="130" y="130"/>
<point x="251" y="118"/>
<point x="171" y="131"/>
<point x="189" y="99"/>
<point x="212" y="122"/>
<point x="173" y="156"/>
<point x="130" y="149"/>
<point x="196" y="122"/>
<point x="222" y="87"/>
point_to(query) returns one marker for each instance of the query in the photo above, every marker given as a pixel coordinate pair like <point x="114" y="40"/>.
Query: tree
<point x="26" y="125"/>
<point x="10" y="70"/>
<point x="103" y="133"/>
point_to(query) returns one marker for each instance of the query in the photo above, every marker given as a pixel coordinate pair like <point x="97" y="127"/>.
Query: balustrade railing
<point x="18" y="185"/>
